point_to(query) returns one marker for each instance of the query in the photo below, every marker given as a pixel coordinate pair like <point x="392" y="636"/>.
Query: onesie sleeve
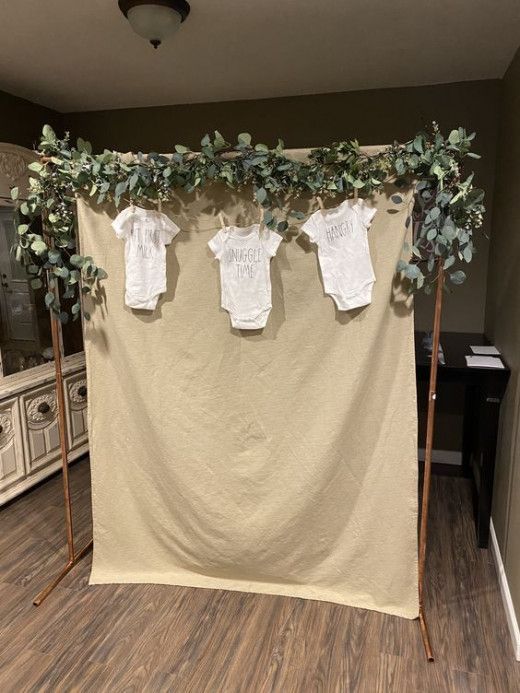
<point x="272" y="242"/>
<point x="123" y="223"/>
<point x="216" y="244"/>
<point x="169" y="230"/>
<point x="365" y="212"/>
<point x="311" y="228"/>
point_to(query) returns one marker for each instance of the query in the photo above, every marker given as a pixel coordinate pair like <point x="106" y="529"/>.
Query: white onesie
<point x="343" y="252"/>
<point x="146" y="233"/>
<point x="245" y="279"/>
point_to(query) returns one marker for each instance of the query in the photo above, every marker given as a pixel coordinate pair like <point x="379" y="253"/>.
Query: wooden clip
<point x="222" y="221"/>
<point x="159" y="205"/>
<point x="320" y="202"/>
<point x="355" y="194"/>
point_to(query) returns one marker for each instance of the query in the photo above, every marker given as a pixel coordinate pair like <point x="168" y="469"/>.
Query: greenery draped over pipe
<point x="447" y="208"/>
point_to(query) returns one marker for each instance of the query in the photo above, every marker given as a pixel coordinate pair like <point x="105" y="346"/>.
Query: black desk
<point x="484" y="390"/>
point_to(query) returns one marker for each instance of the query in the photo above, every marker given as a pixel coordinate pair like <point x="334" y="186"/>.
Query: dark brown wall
<point x="503" y="324"/>
<point x="21" y="121"/>
<point x="373" y="117"/>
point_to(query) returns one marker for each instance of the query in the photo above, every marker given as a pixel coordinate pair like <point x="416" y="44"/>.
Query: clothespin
<point x="355" y="194"/>
<point x="320" y="202"/>
<point x="222" y="221"/>
<point x="260" y="214"/>
<point x="159" y="205"/>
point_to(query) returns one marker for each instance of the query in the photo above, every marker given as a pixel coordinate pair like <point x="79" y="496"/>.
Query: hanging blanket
<point x="281" y="461"/>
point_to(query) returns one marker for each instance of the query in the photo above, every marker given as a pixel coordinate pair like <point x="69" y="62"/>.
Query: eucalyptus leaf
<point x="77" y="260"/>
<point x="457" y="277"/>
<point x="39" y="247"/>
<point x="261" y="195"/>
<point x="449" y="261"/>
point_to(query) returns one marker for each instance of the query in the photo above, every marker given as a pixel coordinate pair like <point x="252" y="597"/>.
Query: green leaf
<point x="412" y="271"/>
<point x="418" y="144"/>
<point x="36" y="283"/>
<point x="39" y="247"/>
<point x="22" y="229"/>
<point x="458" y="277"/>
<point x="181" y="149"/>
<point x="358" y="183"/>
<point x="261" y="195"/>
<point x="76" y="308"/>
<point x="467" y="253"/>
<point x="54" y="256"/>
<point x="454" y="137"/>
<point x="101" y="274"/>
<point x="219" y="141"/>
<point x="121" y="188"/>
<point x="49" y="298"/>
<point x="48" y="133"/>
<point x="449" y="261"/>
<point x="77" y="260"/>
<point x="35" y="166"/>
<point x="245" y="138"/>
<point x="14" y="193"/>
<point x="62" y="272"/>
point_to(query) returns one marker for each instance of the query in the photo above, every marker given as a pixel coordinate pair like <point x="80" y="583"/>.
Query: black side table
<point x="484" y="390"/>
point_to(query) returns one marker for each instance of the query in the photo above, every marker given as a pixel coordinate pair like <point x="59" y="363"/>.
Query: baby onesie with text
<point x="343" y="252"/>
<point x="146" y="233"/>
<point x="245" y="278"/>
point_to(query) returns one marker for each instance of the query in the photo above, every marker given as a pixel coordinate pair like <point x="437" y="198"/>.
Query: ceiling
<point x="80" y="55"/>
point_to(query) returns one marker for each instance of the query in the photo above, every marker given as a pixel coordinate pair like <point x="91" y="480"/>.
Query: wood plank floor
<point x="161" y="638"/>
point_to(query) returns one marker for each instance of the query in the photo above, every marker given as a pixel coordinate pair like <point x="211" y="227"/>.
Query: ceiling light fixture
<point x="155" y="20"/>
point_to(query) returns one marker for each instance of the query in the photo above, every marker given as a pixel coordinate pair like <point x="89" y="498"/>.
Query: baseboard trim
<point x="512" y="620"/>
<point x="453" y="457"/>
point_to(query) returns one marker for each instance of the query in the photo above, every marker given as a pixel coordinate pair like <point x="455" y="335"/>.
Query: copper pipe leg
<point x="68" y="567"/>
<point x="425" y="636"/>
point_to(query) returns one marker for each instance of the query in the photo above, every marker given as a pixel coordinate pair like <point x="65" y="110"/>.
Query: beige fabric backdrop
<point x="281" y="462"/>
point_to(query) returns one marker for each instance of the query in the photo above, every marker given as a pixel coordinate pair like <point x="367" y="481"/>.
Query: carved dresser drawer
<point x="76" y="409"/>
<point x="11" y="447"/>
<point x="40" y="426"/>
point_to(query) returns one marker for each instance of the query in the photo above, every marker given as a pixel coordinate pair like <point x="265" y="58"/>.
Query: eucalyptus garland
<point x="447" y="211"/>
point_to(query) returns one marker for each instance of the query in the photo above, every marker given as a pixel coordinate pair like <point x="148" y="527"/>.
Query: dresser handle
<point x="82" y="391"/>
<point x="43" y="408"/>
